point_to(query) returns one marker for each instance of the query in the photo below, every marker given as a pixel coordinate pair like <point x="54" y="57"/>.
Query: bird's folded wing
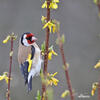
<point x="23" y="53"/>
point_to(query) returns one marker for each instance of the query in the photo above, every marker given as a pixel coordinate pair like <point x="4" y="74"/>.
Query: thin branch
<point x="47" y="40"/>
<point x="99" y="91"/>
<point x="64" y="62"/>
<point x="46" y="50"/>
<point x="98" y="4"/>
<point x="10" y="66"/>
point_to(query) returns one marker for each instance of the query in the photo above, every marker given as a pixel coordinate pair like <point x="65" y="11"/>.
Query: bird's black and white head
<point x="28" y="39"/>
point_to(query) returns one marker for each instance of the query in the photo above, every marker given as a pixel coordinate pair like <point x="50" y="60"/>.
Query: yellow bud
<point x="92" y="92"/>
<point x="43" y="18"/>
<point x="94" y="87"/>
<point x="97" y="65"/>
<point x="42" y="53"/>
<point x="7" y="39"/>
<point x="65" y="93"/>
<point x="11" y="53"/>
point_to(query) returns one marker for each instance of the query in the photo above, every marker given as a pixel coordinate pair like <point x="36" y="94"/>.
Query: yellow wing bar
<point x="30" y="62"/>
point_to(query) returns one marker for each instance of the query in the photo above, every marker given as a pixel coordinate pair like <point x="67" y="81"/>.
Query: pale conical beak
<point x="34" y="38"/>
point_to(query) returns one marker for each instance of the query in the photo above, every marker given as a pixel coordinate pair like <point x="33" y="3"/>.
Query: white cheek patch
<point x="24" y="36"/>
<point x="25" y="42"/>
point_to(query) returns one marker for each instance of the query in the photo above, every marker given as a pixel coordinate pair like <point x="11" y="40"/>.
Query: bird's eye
<point x="28" y="38"/>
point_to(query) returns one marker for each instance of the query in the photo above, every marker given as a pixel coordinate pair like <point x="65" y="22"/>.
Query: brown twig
<point x="46" y="51"/>
<point x="47" y="40"/>
<point x="9" y="77"/>
<point x="65" y="65"/>
<point x="98" y="4"/>
<point x="99" y="90"/>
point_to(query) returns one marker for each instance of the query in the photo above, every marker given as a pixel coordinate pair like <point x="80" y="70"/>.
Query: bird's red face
<point x="30" y="38"/>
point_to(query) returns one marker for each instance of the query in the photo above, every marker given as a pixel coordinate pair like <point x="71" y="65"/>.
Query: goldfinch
<point x="29" y="57"/>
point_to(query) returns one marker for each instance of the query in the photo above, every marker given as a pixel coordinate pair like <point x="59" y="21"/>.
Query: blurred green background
<point x="80" y="24"/>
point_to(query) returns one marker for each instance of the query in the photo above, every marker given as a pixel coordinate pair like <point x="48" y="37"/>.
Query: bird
<point x="29" y="58"/>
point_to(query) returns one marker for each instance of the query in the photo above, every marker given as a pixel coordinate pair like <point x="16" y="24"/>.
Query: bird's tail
<point x="30" y="84"/>
<point x="30" y="76"/>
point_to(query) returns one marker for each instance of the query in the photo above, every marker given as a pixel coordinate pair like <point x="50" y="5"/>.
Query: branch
<point x="66" y="67"/>
<point x="11" y="38"/>
<point x="46" y="51"/>
<point x="10" y="66"/>
<point x="99" y="91"/>
<point x="47" y="40"/>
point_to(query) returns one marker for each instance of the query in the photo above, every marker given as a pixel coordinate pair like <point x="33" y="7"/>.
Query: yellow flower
<point x="52" y="52"/>
<point x="44" y="4"/>
<point x="55" y="81"/>
<point x="4" y="77"/>
<point x="50" y="25"/>
<point x="94" y="87"/>
<point x="51" y="80"/>
<point x="7" y="39"/>
<point x="53" y="5"/>
<point x="30" y="62"/>
<point x="65" y="93"/>
<point x="97" y="65"/>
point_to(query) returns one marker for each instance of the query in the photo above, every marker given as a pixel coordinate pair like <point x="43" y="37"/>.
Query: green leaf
<point x="63" y="39"/>
<point x="43" y="46"/>
<point x="38" y="95"/>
